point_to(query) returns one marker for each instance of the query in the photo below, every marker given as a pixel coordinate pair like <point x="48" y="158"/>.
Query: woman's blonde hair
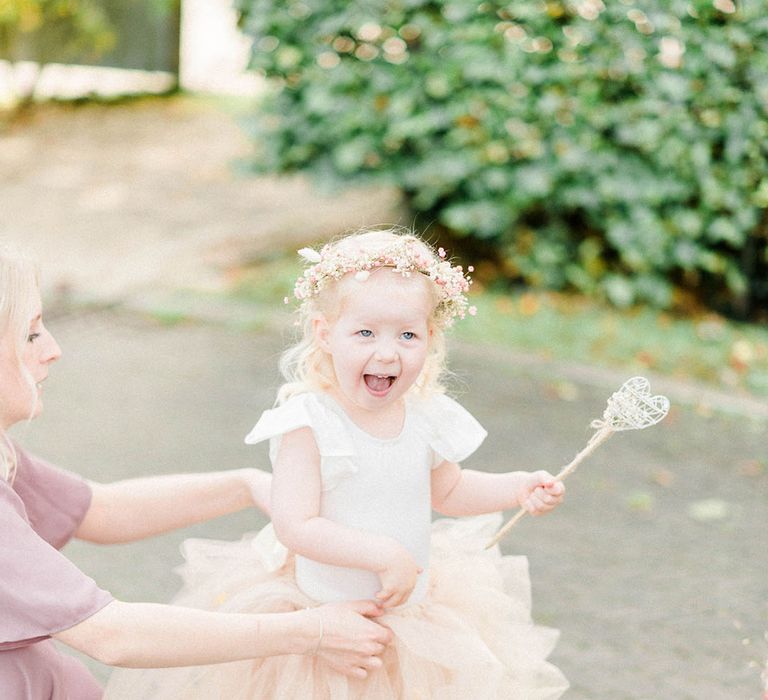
<point x="19" y="280"/>
<point x="307" y="367"/>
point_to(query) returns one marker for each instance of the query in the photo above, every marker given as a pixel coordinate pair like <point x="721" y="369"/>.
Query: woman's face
<point x="18" y="400"/>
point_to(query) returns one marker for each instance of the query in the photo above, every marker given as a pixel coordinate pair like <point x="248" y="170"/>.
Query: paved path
<point x="654" y="569"/>
<point x="115" y="200"/>
<point x="653" y="604"/>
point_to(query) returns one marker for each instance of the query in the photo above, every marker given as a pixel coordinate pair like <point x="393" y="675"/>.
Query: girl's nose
<point x="386" y="352"/>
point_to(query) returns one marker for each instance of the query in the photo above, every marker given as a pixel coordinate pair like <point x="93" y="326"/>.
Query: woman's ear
<point x="320" y="330"/>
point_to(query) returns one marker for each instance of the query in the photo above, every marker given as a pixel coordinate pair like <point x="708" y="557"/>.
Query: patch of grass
<point x="197" y="306"/>
<point x="268" y="281"/>
<point x="709" y="348"/>
<point x="169" y="317"/>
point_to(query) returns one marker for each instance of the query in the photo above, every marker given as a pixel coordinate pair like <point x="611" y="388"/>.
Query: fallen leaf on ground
<point x="709" y="510"/>
<point x="640" y="501"/>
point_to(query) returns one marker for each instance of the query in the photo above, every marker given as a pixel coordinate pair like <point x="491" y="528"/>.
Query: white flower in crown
<point x="310" y="255"/>
<point x="403" y="256"/>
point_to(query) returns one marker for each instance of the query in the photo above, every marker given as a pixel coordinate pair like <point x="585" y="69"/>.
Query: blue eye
<point x="408" y="335"/>
<point x="366" y="333"/>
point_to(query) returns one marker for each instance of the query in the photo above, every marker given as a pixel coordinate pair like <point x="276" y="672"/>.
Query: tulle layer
<point x="471" y="638"/>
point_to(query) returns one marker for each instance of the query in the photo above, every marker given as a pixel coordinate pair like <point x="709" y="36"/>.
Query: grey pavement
<point x="653" y="569"/>
<point x="652" y="602"/>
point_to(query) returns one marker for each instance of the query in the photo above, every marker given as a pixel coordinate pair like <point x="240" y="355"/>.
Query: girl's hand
<point x="398" y="575"/>
<point x="350" y="643"/>
<point x="541" y="493"/>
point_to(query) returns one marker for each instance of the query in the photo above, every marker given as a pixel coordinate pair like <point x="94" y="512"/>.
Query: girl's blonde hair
<point x="19" y="280"/>
<point x="306" y="367"/>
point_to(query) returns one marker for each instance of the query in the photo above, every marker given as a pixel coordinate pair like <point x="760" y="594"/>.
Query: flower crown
<point x="404" y="256"/>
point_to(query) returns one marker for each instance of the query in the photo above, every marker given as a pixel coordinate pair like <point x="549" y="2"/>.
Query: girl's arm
<point x="295" y="515"/>
<point x="145" y="635"/>
<point x="458" y="492"/>
<point x="130" y="510"/>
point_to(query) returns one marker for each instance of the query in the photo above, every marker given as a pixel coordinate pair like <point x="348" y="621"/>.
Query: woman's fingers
<point x="358" y="668"/>
<point x="352" y="641"/>
<point x="378" y="648"/>
<point x="371" y="663"/>
<point x="369" y="608"/>
<point x="347" y="627"/>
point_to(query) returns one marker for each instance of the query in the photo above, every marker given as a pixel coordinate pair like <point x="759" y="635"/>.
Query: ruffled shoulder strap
<point x="451" y="431"/>
<point x="308" y="410"/>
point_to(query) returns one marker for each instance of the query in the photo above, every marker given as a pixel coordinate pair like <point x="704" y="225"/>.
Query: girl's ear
<point x="320" y="330"/>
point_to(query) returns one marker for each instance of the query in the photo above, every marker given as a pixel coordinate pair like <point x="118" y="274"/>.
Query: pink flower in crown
<point x="404" y="257"/>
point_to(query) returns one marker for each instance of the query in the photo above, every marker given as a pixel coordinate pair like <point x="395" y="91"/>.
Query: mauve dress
<point x="41" y="591"/>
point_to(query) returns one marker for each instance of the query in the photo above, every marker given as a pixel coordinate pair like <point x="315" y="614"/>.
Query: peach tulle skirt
<point x="471" y="638"/>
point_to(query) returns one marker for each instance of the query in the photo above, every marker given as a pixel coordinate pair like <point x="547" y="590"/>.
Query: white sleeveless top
<point x="371" y="484"/>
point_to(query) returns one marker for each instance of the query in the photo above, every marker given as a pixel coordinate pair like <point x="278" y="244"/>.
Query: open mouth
<point x="378" y="383"/>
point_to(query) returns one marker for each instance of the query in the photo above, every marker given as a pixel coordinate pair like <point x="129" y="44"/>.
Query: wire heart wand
<point x="630" y="408"/>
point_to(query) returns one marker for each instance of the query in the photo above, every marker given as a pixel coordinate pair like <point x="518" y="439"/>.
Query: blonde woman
<point x="43" y="596"/>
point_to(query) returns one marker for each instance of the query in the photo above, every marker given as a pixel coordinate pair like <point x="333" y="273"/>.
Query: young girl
<point x="364" y="442"/>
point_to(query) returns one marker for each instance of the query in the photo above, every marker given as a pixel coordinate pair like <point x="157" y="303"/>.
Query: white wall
<point x="214" y="55"/>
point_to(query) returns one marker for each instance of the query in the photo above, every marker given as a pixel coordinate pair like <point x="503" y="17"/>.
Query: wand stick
<point x="630" y="408"/>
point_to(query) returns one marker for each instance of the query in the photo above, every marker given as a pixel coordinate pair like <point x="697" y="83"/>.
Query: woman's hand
<point x="259" y="484"/>
<point x="398" y="575"/>
<point x="541" y="493"/>
<point x="148" y="635"/>
<point x="351" y="643"/>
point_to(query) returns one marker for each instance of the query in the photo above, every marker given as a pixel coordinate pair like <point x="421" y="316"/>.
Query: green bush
<point x="619" y="149"/>
<point x="43" y="30"/>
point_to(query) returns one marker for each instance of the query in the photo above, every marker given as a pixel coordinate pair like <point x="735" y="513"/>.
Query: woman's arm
<point x="145" y="635"/>
<point x="296" y="490"/>
<point x="130" y="510"/>
<point x="459" y="492"/>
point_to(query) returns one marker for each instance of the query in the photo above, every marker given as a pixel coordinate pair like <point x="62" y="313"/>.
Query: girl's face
<point x="18" y="400"/>
<point x="380" y="340"/>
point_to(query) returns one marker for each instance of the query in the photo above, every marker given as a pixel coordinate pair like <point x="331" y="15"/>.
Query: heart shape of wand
<point x="630" y="408"/>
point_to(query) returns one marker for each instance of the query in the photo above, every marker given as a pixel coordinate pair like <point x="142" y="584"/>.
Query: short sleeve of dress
<point x="41" y="591"/>
<point x="452" y="432"/>
<point x="55" y="500"/>
<point x="309" y="410"/>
